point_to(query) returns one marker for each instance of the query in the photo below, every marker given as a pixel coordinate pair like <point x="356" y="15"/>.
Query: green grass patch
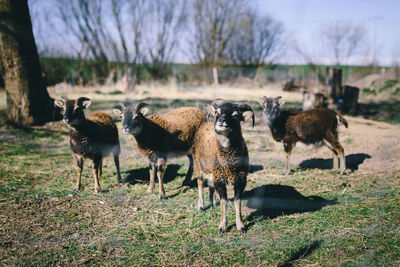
<point x="306" y="218"/>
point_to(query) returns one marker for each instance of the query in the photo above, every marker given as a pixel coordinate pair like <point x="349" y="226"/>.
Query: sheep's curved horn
<point x="81" y="99"/>
<point x="140" y="106"/>
<point x="64" y="98"/>
<point x="122" y="105"/>
<point x="246" y="107"/>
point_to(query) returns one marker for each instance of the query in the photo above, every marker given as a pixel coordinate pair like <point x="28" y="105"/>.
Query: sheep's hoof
<point x="201" y="209"/>
<point x="76" y="189"/>
<point x="149" y="191"/>
<point x="286" y="172"/>
<point x="243" y="230"/>
<point x="163" y="197"/>
<point x="97" y="191"/>
<point x="222" y="228"/>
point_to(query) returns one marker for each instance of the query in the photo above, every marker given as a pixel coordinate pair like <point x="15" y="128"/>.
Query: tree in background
<point x="256" y="40"/>
<point x="129" y="21"/>
<point x="165" y="25"/>
<point x="132" y="32"/>
<point x="214" y="23"/>
<point x="343" y="40"/>
<point x="28" y="102"/>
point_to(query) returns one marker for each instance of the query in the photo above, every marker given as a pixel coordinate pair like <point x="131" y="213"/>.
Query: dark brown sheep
<point x="93" y="137"/>
<point x="162" y="136"/>
<point x="309" y="127"/>
<point x="221" y="157"/>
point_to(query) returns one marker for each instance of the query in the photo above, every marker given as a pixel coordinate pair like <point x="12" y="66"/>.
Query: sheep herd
<point x="216" y="150"/>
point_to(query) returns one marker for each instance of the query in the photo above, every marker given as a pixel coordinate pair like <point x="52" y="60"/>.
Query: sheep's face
<point x="228" y="116"/>
<point x="271" y="107"/>
<point x="73" y="114"/>
<point x="227" y="119"/>
<point x="132" y="119"/>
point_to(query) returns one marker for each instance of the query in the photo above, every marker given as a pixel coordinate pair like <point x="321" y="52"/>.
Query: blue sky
<point x="303" y="20"/>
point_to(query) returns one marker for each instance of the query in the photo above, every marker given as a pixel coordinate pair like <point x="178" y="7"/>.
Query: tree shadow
<point x="271" y="201"/>
<point x="352" y="162"/>
<point x="302" y="253"/>
<point x="142" y="175"/>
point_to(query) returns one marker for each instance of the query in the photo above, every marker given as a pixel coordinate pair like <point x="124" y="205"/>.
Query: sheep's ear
<point x="144" y="111"/>
<point x="281" y="102"/>
<point x="117" y="112"/>
<point x="59" y="103"/>
<point x="262" y="101"/>
<point x="210" y="110"/>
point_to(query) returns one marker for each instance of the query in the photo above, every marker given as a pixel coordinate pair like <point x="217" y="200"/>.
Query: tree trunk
<point x="350" y="100"/>
<point x="215" y="76"/>
<point x="334" y="83"/>
<point x="28" y="101"/>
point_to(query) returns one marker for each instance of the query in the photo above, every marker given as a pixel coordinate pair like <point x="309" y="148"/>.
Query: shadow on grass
<point x="142" y="175"/>
<point x="352" y="162"/>
<point x="255" y="168"/>
<point x="302" y="253"/>
<point x="271" y="201"/>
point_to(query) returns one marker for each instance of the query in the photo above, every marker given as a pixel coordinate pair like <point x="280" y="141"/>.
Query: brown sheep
<point x="93" y="137"/>
<point x="162" y="136"/>
<point x="309" y="127"/>
<point x="221" y="157"/>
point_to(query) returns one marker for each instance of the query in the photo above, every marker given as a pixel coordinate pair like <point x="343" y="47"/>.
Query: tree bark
<point x="28" y="102"/>
<point x="334" y="83"/>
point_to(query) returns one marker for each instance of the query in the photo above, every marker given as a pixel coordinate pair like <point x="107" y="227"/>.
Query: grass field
<point x="311" y="217"/>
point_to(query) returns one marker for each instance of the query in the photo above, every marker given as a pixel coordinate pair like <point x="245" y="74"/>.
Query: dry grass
<point x="312" y="217"/>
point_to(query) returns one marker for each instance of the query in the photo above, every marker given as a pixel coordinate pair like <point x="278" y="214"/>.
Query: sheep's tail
<point x="342" y="120"/>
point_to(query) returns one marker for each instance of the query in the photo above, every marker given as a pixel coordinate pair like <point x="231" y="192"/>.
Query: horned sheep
<point x="94" y="136"/>
<point x="221" y="157"/>
<point x="309" y="127"/>
<point x="162" y="136"/>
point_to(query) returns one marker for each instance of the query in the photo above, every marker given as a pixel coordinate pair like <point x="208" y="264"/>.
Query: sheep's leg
<point x="200" y="182"/>
<point x="96" y="172"/>
<point x="288" y="149"/>
<point x="335" y="155"/>
<point x="162" y="165"/>
<point x="79" y="163"/>
<point x="189" y="174"/>
<point x="116" y="161"/>
<point x="100" y="168"/>
<point x="220" y="186"/>
<point x="211" y="194"/>
<point x="238" y="189"/>
<point x="333" y="140"/>
<point x="152" y="167"/>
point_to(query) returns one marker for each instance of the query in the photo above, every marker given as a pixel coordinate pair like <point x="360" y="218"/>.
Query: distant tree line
<point x="211" y="33"/>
